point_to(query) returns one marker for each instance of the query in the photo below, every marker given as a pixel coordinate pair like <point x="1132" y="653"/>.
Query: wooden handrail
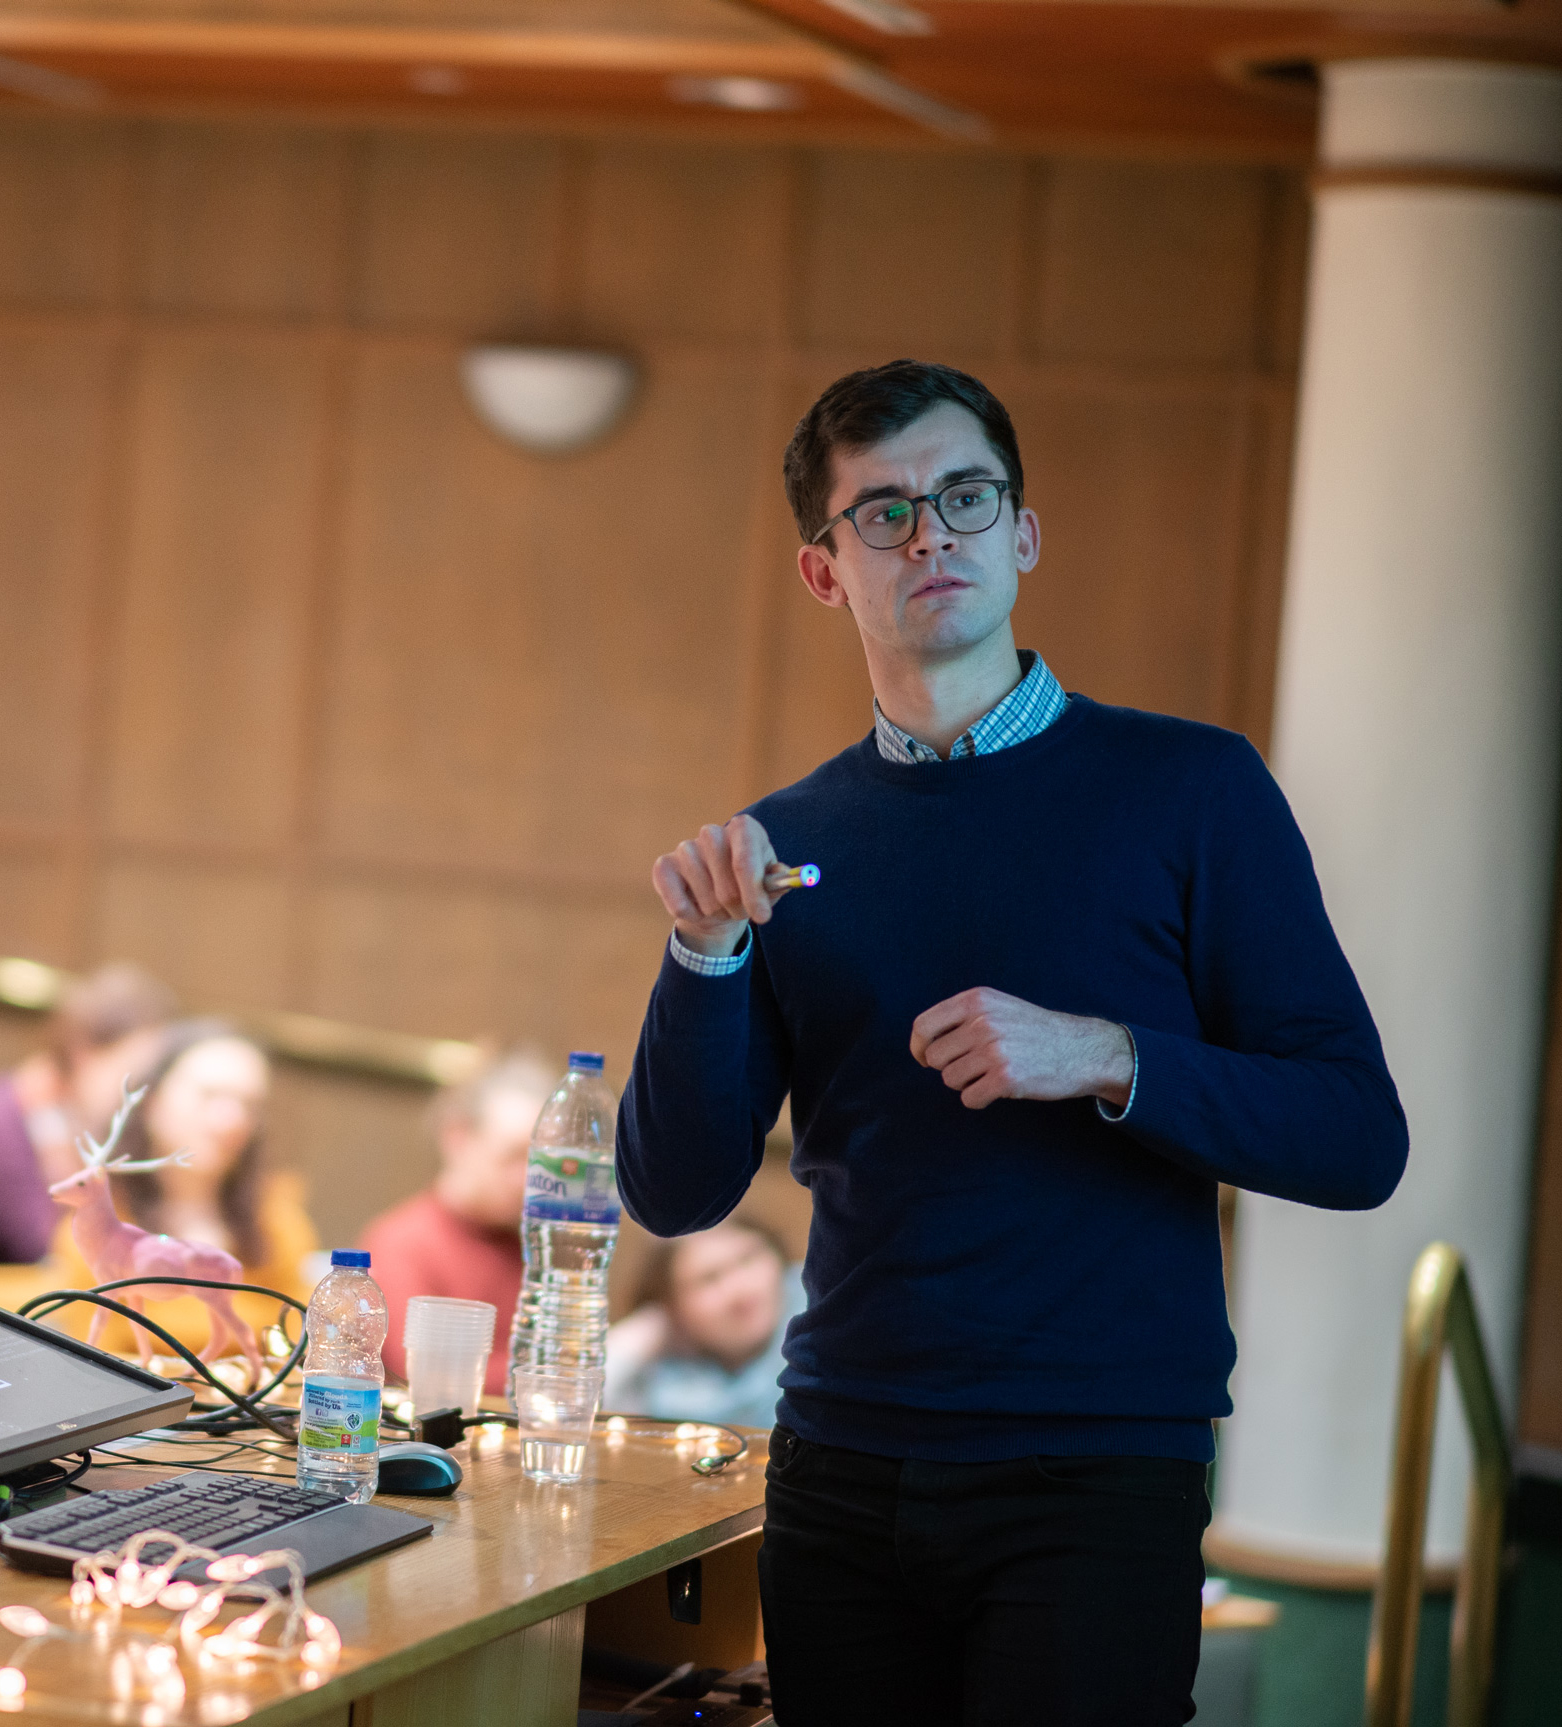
<point x="300" y="1037"/>
<point x="1439" y="1314"/>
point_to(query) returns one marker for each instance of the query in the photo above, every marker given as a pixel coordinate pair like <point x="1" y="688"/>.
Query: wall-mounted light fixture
<point x="548" y="399"/>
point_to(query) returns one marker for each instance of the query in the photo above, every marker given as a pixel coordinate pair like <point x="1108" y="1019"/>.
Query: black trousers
<point x="1042" y="1592"/>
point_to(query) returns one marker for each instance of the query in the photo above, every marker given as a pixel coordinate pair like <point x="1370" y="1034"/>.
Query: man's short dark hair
<point x="864" y="408"/>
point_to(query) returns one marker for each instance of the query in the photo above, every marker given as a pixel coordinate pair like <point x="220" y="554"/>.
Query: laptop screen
<point x="59" y="1396"/>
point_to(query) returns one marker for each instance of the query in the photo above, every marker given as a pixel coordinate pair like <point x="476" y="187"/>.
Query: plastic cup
<point x="554" y="1409"/>
<point x="448" y="1344"/>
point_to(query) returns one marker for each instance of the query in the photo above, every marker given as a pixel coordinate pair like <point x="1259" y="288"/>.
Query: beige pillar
<point x="1417" y="736"/>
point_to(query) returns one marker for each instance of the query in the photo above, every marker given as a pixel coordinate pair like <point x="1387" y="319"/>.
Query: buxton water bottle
<point x="568" y="1232"/>
<point x="339" y="1417"/>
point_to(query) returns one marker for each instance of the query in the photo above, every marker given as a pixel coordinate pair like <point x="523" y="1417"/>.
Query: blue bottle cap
<point x="350" y="1256"/>
<point x="584" y="1061"/>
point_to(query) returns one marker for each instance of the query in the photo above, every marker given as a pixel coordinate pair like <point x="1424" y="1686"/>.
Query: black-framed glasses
<point x="966" y="507"/>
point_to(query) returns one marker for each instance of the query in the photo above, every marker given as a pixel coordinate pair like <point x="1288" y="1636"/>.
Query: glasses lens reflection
<point x="969" y="507"/>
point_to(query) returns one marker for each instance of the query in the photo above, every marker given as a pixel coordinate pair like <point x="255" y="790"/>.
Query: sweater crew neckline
<point x="948" y="776"/>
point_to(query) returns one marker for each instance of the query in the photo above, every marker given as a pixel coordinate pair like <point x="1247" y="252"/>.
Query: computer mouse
<point x="410" y="1466"/>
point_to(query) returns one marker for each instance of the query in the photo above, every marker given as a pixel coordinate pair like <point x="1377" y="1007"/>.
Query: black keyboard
<point x="218" y="1511"/>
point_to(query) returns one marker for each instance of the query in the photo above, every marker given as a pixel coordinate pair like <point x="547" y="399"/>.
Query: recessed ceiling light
<point x="437" y="80"/>
<point x="884" y="15"/>
<point x="751" y="95"/>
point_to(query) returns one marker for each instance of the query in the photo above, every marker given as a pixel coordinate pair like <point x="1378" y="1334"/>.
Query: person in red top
<point x="461" y="1237"/>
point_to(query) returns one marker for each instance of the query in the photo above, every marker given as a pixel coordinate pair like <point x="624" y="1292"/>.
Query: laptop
<point x="59" y="1396"/>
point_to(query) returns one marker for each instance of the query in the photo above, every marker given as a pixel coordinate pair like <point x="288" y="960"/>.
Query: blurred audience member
<point x="105" y="1027"/>
<point x="206" y="1097"/>
<point x="462" y="1237"/>
<point x="705" y="1345"/>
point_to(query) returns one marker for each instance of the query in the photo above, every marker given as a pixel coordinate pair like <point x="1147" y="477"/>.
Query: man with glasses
<point x="1067" y="969"/>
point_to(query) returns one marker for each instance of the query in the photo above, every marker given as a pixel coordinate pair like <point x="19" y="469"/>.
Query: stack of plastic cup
<point x="448" y="1344"/>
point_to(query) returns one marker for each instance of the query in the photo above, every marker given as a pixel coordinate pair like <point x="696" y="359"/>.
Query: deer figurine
<point x="114" y="1249"/>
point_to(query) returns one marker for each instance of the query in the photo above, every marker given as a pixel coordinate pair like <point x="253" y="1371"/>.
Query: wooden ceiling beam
<point x="788" y="56"/>
<point x="793" y="56"/>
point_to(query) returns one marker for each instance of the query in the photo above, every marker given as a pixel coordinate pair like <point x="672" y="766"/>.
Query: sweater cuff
<point x="1133" y="1090"/>
<point x="712" y="965"/>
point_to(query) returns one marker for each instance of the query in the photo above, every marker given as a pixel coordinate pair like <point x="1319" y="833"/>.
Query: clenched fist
<point x="989" y="1045"/>
<point x="714" y="885"/>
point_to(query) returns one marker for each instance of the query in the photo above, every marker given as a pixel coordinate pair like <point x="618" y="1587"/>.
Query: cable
<point x="215" y="1421"/>
<point x="445" y="1427"/>
<point x="13" y="1499"/>
<point x="287" y="1301"/>
<point x="59" y="1298"/>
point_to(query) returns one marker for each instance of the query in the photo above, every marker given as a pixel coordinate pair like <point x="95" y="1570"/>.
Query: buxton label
<point x="340" y="1418"/>
<point x="564" y="1187"/>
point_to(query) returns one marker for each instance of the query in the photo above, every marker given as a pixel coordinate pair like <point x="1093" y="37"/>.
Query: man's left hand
<point x="988" y="1045"/>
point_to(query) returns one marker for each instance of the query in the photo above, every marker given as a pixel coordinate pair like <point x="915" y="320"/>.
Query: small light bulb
<point x="13" y="1682"/>
<point x="176" y="1597"/>
<point x="234" y="1568"/>
<point x="122" y="1676"/>
<point x="323" y="1632"/>
<point x="82" y="1592"/>
<point x="168" y="1692"/>
<point x="24" y="1621"/>
<point x="226" y="1647"/>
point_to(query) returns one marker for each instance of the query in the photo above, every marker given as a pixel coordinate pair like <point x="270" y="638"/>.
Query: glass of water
<point x="554" y="1409"/>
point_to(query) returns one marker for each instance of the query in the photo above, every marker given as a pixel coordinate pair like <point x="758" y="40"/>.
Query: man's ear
<point x="817" y="569"/>
<point x="1027" y="539"/>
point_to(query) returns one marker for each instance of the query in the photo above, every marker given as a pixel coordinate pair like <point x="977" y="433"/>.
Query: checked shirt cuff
<point x="709" y="965"/>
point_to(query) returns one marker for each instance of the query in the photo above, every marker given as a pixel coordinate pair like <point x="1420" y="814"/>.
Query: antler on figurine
<point x="114" y="1249"/>
<point x="91" y="1152"/>
<point x="96" y="1156"/>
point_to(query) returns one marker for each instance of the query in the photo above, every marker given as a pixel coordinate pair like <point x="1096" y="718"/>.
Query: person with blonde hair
<point x="206" y="1096"/>
<point x="461" y="1236"/>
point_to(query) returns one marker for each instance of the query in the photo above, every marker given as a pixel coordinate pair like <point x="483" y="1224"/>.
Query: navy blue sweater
<point x="1028" y="1277"/>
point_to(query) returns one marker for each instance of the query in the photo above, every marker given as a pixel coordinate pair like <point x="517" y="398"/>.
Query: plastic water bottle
<point x="568" y="1231"/>
<point x="339" y="1417"/>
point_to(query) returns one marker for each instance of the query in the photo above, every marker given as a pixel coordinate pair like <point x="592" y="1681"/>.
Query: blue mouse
<point x="410" y="1466"/>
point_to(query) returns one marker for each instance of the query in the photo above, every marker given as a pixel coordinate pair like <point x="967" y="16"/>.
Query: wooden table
<point x="477" y="1626"/>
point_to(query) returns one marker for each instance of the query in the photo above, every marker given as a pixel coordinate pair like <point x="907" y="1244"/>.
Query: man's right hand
<point x="714" y="885"/>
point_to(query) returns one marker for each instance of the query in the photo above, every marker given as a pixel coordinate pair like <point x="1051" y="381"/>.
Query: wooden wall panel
<point x="469" y="962"/>
<point x="1146" y="264"/>
<point x="682" y="241"/>
<point x="217" y="934"/>
<point x="322" y="696"/>
<point x="824" y="700"/>
<point x="1139" y="499"/>
<point x="244" y="220"/>
<point x="220" y="546"/>
<point x="55" y="396"/>
<point x="529" y="644"/>
<point x="910" y="254"/>
<point x="34" y="911"/>
<point x="63" y="189"/>
<point x="460" y="231"/>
